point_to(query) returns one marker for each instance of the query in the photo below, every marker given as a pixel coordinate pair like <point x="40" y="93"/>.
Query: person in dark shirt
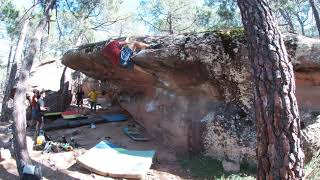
<point x="79" y="98"/>
<point x="37" y="106"/>
<point x="36" y="115"/>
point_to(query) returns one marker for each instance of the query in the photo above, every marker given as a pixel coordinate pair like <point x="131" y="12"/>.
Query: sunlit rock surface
<point x="193" y="92"/>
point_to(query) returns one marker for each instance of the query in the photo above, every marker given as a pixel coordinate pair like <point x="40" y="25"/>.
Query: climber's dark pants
<point x="93" y="106"/>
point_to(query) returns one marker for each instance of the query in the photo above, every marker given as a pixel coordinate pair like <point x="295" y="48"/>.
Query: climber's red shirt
<point x="112" y="51"/>
<point x="34" y="101"/>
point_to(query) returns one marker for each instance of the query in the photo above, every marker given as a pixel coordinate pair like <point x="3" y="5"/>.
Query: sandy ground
<point x="63" y="165"/>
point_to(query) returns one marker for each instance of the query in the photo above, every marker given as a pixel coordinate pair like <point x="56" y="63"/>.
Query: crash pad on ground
<point x="72" y="115"/>
<point x="67" y="123"/>
<point x="115" y="117"/>
<point x="110" y="160"/>
<point x="135" y="135"/>
<point x="52" y="114"/>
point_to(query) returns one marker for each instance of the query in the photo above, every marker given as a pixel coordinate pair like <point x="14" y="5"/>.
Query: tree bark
<point x="169" y="20"/>
<point x="279" y="151"/>
<point x="301" y="22"/>
<point x="19" y="112"/>
<point x="9" y="62"/>
<point x="63" y="90"/>
<point x="6" y="112"/>
<point x="22" y="37"/>
<point x="315" y="14"/>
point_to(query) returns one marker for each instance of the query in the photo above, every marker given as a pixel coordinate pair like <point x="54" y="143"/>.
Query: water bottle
<point x="41" y="139"/>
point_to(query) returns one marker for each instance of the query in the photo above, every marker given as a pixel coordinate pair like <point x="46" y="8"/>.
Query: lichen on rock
<point x="194" y="92"/>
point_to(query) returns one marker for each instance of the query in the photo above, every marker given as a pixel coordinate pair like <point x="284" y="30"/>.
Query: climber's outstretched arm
<point x="139" y="45"/>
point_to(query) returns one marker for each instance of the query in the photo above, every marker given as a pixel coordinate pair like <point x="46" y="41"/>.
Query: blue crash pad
<point x="115" y="117"/>
<point x="109" y="160"/>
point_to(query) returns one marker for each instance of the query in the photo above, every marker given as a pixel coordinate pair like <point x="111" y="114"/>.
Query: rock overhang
<point x="192" y="77"/>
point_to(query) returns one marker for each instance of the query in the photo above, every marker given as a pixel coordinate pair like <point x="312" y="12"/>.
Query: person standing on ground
<point x="36" y="114"/>
<point x="35" y="108"/>
<point x="79" y="98"/>
<point x="38" y="109"/>
<point x="93" y="94"/>
<point x="29" y="111"/>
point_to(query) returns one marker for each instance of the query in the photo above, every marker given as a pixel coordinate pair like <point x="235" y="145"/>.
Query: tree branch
<point x="69" y="7"/>
<point x="28" y="10"/>
<point x="147" y="22"/>
<point x="58" y="25"/>
<point x="90" y="11"/>
<point x="187" y="26"/>
<point x="110" y="22"/>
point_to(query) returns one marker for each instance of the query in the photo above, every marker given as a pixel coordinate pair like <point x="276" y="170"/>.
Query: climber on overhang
<point x="120" y="52"/>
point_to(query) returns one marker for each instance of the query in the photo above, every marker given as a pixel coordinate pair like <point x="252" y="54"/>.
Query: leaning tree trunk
<point x="63" y="90"/>
<point x="315" y="14"/>
<point x="9" y="62"/>
<point x="6" y="112"/>
<point x="301" y="22"/>
<point x="19" y="113"/>
<point x="169" y="20"/>
<point x="279" y="151"/>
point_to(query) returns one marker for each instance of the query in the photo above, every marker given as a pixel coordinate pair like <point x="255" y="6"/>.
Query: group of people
<point x="93" y="97"/>
<point x="37" y="109"/>
<point x="118" y="52"/>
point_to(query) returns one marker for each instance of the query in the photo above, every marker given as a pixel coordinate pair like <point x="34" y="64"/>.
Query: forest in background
<point x="77" y="22"/>
<point x="57" y="26"/>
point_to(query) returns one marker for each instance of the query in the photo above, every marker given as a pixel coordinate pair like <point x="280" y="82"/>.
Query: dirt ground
<point x="63" y="165"/>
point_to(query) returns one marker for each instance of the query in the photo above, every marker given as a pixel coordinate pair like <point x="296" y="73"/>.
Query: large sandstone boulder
<point x="194" y="92"/>
<point x="46" y="75"/>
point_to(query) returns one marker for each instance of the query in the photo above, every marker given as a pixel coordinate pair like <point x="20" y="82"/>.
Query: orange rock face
<point x="194" y="92"/>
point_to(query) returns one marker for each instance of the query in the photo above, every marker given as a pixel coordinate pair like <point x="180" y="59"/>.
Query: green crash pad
<point x="110" y="160"/>
<point x="52" y="114"/>
<point x="73" y="115"/>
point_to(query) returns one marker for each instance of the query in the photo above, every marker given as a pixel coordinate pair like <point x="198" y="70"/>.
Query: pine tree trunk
<point x="279" y="151"/>
<point x="22" y="38"/>
<point x="6" y="112"/>
<point x="169" y="20"/>
<point x="301" y="24"/>
<point x="19" y="112"/>
<point x="62" y="90"/>
<point x="315" y="14"/>
<point x="9" y="62"/>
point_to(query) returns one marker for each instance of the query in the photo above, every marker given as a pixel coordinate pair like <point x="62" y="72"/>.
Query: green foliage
<point x="169" y="16"/>
<point x="201" y="166"/>
<point x="204" y="167"/>
<point x="227" y="12"/>
<point x="232" y="34"/>
<point x="297" y="10"/>
<point x="230" y="39"/>
<point x="77" y="22"/>
<point x="248" y="169"/>
<point x="9" y="16"/>
<point x="73" y="22"/>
